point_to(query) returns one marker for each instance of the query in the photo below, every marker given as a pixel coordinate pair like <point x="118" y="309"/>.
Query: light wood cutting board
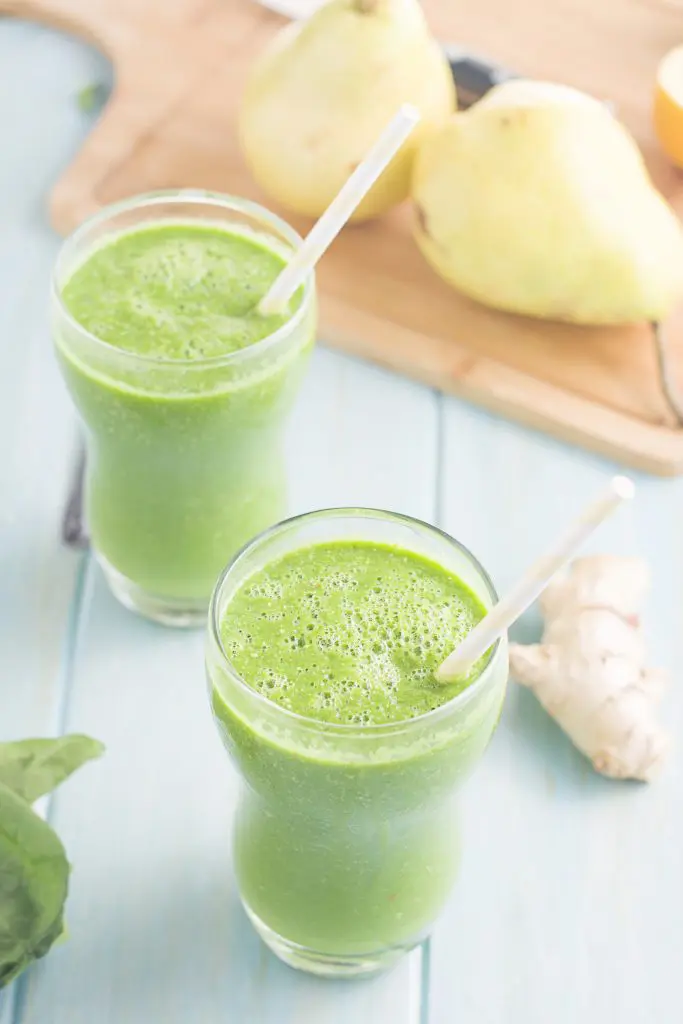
<point x="179" y="67"/>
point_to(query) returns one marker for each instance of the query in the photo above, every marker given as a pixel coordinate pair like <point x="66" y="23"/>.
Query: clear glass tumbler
<point x="346" y="839"/>
<point x="184" y="456"/>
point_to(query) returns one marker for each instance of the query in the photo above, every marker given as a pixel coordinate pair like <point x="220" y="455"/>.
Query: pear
<point x="319" y="96"/>
<point x="537" y="201"/>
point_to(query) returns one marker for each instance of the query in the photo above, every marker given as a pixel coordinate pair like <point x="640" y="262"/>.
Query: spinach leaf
<point x="34" y="875"/>
<point x="32" y="768"/>
<point x="92" y="97"/>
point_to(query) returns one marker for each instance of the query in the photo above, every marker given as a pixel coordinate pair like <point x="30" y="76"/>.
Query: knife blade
<point x="74" y="533"/>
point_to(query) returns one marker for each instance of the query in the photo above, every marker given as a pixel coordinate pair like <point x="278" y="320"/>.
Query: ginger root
<point x="589" y="673"/>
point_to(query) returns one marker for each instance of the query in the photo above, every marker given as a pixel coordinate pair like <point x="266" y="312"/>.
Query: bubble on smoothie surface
<point x="349" y="632"/>
<point x="176" y="291"/>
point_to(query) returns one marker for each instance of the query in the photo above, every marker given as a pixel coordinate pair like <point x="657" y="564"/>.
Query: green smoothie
<point x="183" y="388"/>
<point x="176" y="291"/>
<point x="346" y="839"/>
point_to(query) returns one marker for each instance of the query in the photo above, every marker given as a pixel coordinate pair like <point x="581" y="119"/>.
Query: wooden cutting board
<point x="179" y="67"/>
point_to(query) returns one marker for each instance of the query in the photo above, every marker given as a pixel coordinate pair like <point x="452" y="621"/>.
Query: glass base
<point x="167" y="611"/>
<point x="325" y="965"/>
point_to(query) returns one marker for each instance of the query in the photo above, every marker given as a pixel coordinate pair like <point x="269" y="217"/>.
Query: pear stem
<point x="365" y="6"/>
<point x="665" y="371"/>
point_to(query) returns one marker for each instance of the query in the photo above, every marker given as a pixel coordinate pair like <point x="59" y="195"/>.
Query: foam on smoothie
<point x="349" y="632"/>
<point x="177" y="291"/>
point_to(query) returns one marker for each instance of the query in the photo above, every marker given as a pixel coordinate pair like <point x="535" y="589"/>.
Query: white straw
<point x="534" y="581"/>
<point x="325" y="230"/>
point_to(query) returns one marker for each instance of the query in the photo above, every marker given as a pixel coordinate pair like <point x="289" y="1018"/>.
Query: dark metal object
<point x="74" y="533"/>
<point x="474" y="76"/>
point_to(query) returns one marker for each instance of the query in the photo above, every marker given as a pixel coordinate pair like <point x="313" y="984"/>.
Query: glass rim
<point x="349" y="729"/>
<point x="159" y="197"/>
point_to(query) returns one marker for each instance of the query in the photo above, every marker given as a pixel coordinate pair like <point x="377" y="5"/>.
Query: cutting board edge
<point x="653" y="449"/>
<point x="66" y="16"/>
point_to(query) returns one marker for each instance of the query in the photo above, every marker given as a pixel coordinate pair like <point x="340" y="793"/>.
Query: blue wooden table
<point x="570" y="903"/>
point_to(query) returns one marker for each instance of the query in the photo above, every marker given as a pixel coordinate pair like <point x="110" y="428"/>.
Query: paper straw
<point x="535" y="580"/>
<point x="325" y="230"/>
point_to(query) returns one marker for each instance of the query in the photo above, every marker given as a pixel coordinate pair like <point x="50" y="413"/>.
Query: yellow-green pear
<point x="319" y="96"/>
<point x="537" y="201"/>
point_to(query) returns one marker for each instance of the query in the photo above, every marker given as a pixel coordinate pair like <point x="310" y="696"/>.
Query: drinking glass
<point x="184" y="456"/>
<point x="346" y="838"/>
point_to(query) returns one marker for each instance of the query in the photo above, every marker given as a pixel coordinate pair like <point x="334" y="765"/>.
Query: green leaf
<point x="34" y="877"/>
<point x="91" y="97"/>
<point x="32" y="768"/>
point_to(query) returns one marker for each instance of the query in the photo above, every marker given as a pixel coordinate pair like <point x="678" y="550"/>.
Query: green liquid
<point x="351" y="850"/>
<point x="176" y="292"/>
<point x="349" y="633"/>
<point x="184" y="456"/>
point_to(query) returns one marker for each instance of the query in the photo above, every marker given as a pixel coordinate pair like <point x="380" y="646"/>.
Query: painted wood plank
<point x="42" y="126"/>
<point x="569" y="904"/>
<point x="362" y="436"/>
<point x="156" y="930"/>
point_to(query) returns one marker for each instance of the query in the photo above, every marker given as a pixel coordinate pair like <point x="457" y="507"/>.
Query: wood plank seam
<point x="72" y="633"/>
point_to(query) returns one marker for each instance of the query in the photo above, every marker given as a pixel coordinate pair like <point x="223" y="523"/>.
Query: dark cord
<point x="665" y="370"/>
<point x="74" y="533"/>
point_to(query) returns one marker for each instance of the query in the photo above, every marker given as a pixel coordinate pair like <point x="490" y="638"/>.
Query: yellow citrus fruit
<point x="668" y="105"/>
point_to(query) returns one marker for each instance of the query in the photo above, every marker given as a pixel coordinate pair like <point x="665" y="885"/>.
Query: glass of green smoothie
<point x="324" y="634"/>
<point x="182" y="386"/>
